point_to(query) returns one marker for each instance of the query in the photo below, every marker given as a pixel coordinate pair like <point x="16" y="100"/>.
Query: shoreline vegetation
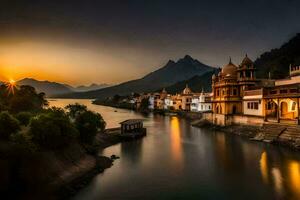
<point x="48" y="153"/>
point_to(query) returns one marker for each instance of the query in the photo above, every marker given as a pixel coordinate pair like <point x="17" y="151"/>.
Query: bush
<point x="24" y="118"/>
<point x="88" y="124"/>
<point x="23" y="141"/>
<point x="25" y="98"/>
<point x="75" y="109"/>
<point x="52" y="129"/>
<point x="8" y="125"/>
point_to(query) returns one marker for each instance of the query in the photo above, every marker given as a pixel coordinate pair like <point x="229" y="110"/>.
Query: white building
<point x="195" y="103"/>
<point x="168" y="102"/>
<point x="151" y="102"/>
<point x="252" y="102"/>
<point x="201" y="103"/>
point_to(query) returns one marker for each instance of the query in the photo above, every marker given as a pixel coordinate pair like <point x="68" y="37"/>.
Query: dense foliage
<point x="24" y="117"/>
<point x="33" y="138"/>
<point x="75" y="109"/>
<point x="277" y="61"/>
<point x="23" y="98"/>
<point x="8" y="125"/>
<point x="88" y="123"/>
<point x="144" y="107"/>
<point x="52" y="129"/>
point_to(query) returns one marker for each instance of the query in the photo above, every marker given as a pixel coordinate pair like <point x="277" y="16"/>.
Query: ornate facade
<point x="229" y="86"/>
<point x="237" y="92"/>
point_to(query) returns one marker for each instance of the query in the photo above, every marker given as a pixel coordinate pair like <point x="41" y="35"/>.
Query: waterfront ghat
<point x="178" y="161"/>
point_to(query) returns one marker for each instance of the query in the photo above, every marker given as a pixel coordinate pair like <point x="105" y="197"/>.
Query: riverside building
<point x="239" y="97"/>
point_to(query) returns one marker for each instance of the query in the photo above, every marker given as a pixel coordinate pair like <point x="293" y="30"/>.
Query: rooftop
<point x="131" y="121"/>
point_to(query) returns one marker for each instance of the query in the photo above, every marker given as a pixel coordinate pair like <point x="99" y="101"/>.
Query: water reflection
<point x="264" y="167"/>
<point x="176" y="146"/>
<point x="281" y="174"/>
<point x="294" y="174"/>
<point x="132" y="151"/>
<point x="277" y="181"/>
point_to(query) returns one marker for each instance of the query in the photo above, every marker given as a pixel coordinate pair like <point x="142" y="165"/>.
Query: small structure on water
<point x="132" y="128"/>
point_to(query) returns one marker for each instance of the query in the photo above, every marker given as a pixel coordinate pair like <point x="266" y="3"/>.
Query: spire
<point x="186" y="86"/>
<point x="202" y="90"/>
<point x="269" y="75"/>
<point x="230" y="60"/>
<point x="246" y="55"/>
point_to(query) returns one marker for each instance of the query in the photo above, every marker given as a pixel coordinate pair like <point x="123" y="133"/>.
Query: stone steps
<point x="270" y="132"/>
<point x="291" y="134"/>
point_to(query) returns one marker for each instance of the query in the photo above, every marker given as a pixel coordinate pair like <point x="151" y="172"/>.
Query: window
<point x="283" y="91"/>
<point x="234" y="92"/>
<point x="293" y="90"/>
<point x="252" y="105"/>
<point x="273" y="92"/>
<point x="294" y="106"/>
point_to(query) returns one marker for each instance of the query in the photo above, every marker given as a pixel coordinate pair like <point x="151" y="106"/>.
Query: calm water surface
<point x="177" y="161"/>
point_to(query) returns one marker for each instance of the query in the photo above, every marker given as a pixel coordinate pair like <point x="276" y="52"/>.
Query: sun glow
<point x="11" y="85"/>
<point x="12" y="82"/>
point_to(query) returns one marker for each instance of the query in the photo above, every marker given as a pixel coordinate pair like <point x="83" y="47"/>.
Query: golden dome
<point x="246" y="61"/>
<point x="229" y="70"/>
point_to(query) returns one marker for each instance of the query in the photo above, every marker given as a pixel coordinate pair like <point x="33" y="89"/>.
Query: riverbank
<point x="278" y="134"/>
<point x="85" y="170"/>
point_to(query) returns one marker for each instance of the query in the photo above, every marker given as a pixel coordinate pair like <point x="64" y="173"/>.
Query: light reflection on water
<point x="177" y="161"/>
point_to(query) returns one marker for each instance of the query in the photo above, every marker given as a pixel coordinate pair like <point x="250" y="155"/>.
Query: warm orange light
<point x="294" y="173"/>
<point x="176" y="142"/>
<point x="264" y="167"/>
<point x="12" y="82"/>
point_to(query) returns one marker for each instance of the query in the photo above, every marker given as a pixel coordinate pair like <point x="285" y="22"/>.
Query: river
<point x="177" y="161"/>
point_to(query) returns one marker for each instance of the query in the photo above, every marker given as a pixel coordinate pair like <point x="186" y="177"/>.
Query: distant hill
<point x="196" y="83"/>
<point x="277" y="61"/>
<point x="93" y="86"/>
<point x="50" y="88"/>
<point x="172" y="72"/>
<point x="53" y="88"/>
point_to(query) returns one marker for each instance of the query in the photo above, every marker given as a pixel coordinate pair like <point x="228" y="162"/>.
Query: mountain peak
<point x="188" y="57"/>
<point x="170" y="62"/>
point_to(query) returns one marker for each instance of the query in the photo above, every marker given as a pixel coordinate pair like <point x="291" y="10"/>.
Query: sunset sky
<point x="110" y="41"/>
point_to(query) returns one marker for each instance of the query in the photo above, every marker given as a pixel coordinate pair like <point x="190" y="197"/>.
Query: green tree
<point x="75" y="109"/>
<point x="23" y="98"/>
<point x="52" y="129"/>
<point x="88" y="123"/>
<point x="144" y="107"/>
<point x="27" y="99"/>
<point x="24" y="118"/>
<point x="8" y="125"/>
<point x="116" y="98"/>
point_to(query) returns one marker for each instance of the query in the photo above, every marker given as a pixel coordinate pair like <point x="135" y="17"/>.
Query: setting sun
<point x="12" y="82"/>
